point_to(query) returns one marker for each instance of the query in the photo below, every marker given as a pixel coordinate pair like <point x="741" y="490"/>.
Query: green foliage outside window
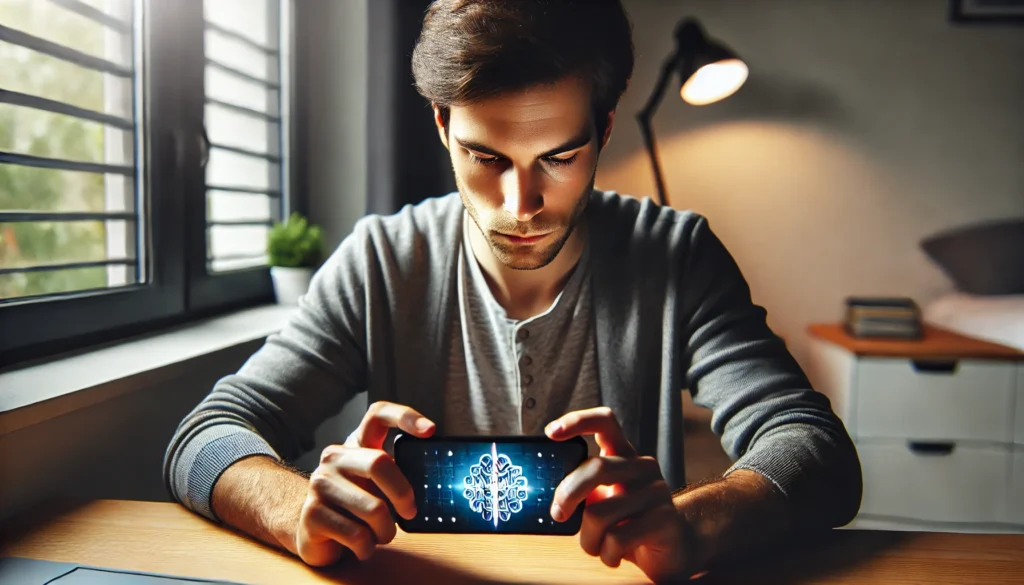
<point x="29" y="131"/>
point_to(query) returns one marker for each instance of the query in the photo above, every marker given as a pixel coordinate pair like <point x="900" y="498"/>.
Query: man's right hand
<point x="346" y="506"/>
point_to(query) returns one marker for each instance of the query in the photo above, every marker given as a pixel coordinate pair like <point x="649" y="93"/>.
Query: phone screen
<point x="488" y="484"/>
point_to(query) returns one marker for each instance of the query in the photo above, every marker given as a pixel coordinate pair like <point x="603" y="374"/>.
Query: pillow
<point x="982" y="259"/>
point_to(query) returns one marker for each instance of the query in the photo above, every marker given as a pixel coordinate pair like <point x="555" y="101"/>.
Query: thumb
<point x="381" y="417"/>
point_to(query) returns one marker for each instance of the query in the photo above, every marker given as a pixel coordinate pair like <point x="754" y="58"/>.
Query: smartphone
<point x="482" y="485"/>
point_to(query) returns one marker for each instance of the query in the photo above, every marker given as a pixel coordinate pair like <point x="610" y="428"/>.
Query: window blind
<point x="72" y="215"/>
<point x="245" y="131"/>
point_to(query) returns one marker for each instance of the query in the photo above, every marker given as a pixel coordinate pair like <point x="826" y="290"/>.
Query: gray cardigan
<point x="672" y="311"/>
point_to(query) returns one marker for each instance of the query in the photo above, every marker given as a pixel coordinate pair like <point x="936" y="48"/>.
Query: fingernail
<point x="553" y="428"/>
<point x="423" y="425"/>
<point x="556" y="512"/>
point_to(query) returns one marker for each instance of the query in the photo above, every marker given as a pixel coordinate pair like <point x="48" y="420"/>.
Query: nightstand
<point x="938" y="424"/>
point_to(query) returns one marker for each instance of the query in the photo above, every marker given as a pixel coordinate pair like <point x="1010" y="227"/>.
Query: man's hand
<point x="633" y="516"/>
<point x="347" y="504"/>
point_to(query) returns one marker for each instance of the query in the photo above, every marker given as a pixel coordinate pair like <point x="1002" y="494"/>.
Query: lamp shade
<point x="708" y="70"/>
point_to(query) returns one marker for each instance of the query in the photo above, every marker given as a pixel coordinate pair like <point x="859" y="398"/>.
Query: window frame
<point x="214" y="292"/>
<point x="178" y="288"/>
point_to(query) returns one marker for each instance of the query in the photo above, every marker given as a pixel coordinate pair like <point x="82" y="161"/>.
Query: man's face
<point x="524" y="164"/>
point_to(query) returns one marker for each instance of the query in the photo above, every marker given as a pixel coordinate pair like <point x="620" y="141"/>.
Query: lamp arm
<point x="644" y="118"/>
<point x="654" y="100"/>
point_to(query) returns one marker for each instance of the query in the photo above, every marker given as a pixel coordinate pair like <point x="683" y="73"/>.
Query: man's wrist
<point x="730" y="516"/>
<point x="263" y="498"/>
<point x="286" y="523"/>
<point x="691" y="504"/>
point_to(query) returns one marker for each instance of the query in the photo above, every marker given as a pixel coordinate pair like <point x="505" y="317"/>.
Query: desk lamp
<point x="708" y="72"/>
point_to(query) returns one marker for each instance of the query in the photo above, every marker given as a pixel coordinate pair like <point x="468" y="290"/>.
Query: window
<point x="67" y="135"/>
<point x="244" y="138"/>
<point x="142" y="161"/>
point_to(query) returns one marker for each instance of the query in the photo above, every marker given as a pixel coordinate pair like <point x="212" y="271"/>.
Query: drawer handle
<point x="935" y="366"/>
<point x="931" y="448"/>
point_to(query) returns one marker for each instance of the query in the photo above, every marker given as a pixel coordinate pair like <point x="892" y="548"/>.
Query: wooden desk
<point x="165" y="538"/>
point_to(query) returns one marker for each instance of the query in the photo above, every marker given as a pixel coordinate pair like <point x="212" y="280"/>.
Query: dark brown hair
<point x="470" y="50"/>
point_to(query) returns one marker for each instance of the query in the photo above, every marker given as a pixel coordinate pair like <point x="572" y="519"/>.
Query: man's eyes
<point x="563" y="161"/>
<point x="483" y="160"/>
<point x="490" y="160"/>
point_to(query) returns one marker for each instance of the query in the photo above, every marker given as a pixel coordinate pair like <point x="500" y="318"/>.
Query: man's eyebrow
<point x="572" y="144"/>
<point x="477" y="147"/>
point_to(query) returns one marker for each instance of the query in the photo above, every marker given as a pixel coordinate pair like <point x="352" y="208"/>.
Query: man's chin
<point x="524" y="259"/>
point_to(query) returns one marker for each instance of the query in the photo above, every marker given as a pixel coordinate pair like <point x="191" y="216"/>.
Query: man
<point x="526" y="303"/>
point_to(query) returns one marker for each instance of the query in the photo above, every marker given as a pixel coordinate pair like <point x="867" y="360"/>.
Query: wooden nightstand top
<point x="936" y="344"/>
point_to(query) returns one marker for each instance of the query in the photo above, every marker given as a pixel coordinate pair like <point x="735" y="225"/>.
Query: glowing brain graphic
<point x="495" y="487"/>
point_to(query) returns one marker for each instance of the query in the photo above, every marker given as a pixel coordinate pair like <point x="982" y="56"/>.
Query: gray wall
<point x="336" y="141"/>
<point x="864" y="126"/>
<point x="113" y="449"/>
<point x="335" y="35"/>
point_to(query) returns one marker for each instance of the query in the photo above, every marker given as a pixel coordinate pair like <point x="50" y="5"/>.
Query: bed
<point x="994" y="318"/>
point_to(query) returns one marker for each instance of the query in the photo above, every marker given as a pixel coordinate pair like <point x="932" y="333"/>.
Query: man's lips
<point x="523" y="239"/>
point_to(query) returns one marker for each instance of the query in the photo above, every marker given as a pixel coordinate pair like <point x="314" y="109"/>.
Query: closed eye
<point x="490" y="160"/>
<point x="482" y="160"/>
<point x="563" y="161"/>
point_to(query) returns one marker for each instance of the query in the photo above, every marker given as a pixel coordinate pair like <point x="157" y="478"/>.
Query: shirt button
<point x="527" y="380"/>
<point x="530" y="402"/>
<point x="527" y="360"/>
<point x="523" y="334"/>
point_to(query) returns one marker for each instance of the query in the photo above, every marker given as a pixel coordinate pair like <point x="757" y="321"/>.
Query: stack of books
<point x="892" y="317"/>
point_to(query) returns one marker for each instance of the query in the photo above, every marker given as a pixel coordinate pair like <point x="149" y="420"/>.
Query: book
<point x="881" y="317"/>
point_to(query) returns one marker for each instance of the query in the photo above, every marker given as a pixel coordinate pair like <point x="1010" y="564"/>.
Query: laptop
<point x="22" y="571"/>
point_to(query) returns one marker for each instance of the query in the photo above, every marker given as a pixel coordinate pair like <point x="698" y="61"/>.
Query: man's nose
<point x="521" y="198"/>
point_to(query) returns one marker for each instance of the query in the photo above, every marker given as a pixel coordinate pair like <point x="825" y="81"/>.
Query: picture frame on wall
<point x="987" y="11"/>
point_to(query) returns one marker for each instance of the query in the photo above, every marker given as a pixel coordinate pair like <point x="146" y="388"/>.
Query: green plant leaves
<point x="295" y="243"/>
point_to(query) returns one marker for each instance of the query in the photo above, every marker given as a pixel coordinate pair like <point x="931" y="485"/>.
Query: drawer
<point x="965" y="484"/>
<point x="965" y="399"/>
<point x="1017" y="487"/>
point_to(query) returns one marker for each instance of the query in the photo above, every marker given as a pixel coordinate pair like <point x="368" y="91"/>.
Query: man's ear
<point x="439" y="122"/>
<point x="608" y="129"/>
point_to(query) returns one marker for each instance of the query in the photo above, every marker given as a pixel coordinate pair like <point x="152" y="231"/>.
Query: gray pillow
<point x="982" y="259"/>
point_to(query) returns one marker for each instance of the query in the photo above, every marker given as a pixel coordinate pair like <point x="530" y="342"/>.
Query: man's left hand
<point x="629" y="513"/>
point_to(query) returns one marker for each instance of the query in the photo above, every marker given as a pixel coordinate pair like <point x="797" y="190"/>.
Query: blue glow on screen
<point x="488" y="486"/>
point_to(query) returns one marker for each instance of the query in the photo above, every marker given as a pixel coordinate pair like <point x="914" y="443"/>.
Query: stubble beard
<point x="503" y="223"/>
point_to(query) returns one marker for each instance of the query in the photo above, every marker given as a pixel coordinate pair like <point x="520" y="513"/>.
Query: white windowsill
<point x="39" y="392"/>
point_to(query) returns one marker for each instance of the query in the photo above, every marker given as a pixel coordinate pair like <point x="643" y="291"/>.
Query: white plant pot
<point x="290" y="283"/>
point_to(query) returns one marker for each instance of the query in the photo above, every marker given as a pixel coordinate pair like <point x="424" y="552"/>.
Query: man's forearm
<point x="263" y="499"/>
<point x="731" y="517"/>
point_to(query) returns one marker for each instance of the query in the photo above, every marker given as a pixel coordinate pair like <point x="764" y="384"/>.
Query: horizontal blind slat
<point x="17" y="37"/>
<point x="29" y="160"/>
<point x="235" y="256"/>
<point x="240" y="38"/>
<point x="264" y="222"/>
<point x="58" y="107"/>
<point x="246" y="152"/>
<point x="27" y="216"/>
<point x="274" y="193"/>
<point x="95" y="14"/>
<point x="66" y="266"/>
<point x="244" y="110"/>
<point x="241" y="74"/>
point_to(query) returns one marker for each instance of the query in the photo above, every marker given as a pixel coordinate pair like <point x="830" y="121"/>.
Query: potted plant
<point x="295" y="249"/>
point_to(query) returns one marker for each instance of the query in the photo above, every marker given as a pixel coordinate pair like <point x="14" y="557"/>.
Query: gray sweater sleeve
<point x="297" y="379"/>
<point x="768" y="417"/>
